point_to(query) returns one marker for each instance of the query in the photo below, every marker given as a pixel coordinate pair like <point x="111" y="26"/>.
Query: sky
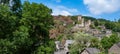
<point x="106" y="9"/>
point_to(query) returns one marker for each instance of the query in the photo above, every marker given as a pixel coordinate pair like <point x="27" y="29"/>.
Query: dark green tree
<point x="26" y="34"/>
<point x="119" y="20"/>
<point x="110" y="25"/>
<point x="8" y="24"/>
<point x="107" y="42"/>
<point x="15" y="5"/>
<point x="96" y="22"/>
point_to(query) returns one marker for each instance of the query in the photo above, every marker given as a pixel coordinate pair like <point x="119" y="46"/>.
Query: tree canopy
<point x="28" y="33"/>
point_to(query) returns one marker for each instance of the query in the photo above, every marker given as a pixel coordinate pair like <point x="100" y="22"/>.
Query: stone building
<point x="115" y="49"/>
<point x="87" y="25"/>
<point x="82" y="24"/>
<point x="91" y="51"/>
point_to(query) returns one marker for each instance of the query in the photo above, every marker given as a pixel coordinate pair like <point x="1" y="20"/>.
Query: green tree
<point x="119" y="20"/>
<point x="116" y="27"/>
<point x="8" y="24"/>
<point x="81" y="41"/>
<point x="96" y="22"/>
<point x="107" y="42"/>
<point x="38" y="18"/>
<point x="4" y="1"/>
<point x="15" y="5"/>
<point x="25" y="34"/>
<point x="89" y="18"/>
<point x="95" y="42"/>
<point x="109" y="25"/>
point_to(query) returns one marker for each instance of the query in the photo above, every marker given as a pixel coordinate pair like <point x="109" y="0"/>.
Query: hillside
<point x="68" y="27"/>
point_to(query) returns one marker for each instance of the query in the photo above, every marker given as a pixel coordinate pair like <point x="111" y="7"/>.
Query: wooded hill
<point x="113" y="25"/>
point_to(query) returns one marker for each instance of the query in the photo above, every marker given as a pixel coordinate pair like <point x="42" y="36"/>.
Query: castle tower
<point x="79" y="18"/>
<point x="80" y="21"/>
<point x="89" y="22"/>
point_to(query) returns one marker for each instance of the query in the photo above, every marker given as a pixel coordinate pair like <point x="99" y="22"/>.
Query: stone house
<point x="87" y="25"/>
<point x="91" y="51"/>
<point x="102" y="27"/>
<point x="57" y="43"/>
<point x="108" y="32"/>
<point x="67" y="44"/>
<point x="115" y="49"/>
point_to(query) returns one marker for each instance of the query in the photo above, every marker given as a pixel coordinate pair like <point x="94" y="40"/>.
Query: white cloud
<point x="67" y="9"/>
<point x="62" y="10"/>
<point x="98" y="7"/>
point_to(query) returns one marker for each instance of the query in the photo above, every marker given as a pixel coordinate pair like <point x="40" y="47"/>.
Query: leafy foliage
<point x="83" y="40"/>
<point x="15" y="5"/>
<point x="89" y="18"/>
<point x="119" y="20"/>
<point x="27" y="33"/>
<point x="107" y="42"/>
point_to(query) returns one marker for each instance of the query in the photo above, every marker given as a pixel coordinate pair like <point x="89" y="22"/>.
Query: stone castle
<point x="82" y="24"/>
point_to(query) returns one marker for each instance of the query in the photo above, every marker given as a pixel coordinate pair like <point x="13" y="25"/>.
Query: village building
<point x="67" y="44"/>
<point x="60" y="46"/>
<point x="57" y="43"/>
<point x="91" y="51"/>
<point x="108" y="32"/>
<point x="115" y="49"/>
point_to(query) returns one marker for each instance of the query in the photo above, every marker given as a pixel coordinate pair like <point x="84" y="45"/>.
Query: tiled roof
<point x="92" y="50"/>
<point x="118" y="44"/>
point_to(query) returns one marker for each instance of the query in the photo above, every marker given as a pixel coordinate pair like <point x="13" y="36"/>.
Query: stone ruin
<point x="82" y="24"/>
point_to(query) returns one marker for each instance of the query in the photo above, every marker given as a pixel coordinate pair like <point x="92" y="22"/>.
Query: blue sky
<point x="107" y="9"/>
